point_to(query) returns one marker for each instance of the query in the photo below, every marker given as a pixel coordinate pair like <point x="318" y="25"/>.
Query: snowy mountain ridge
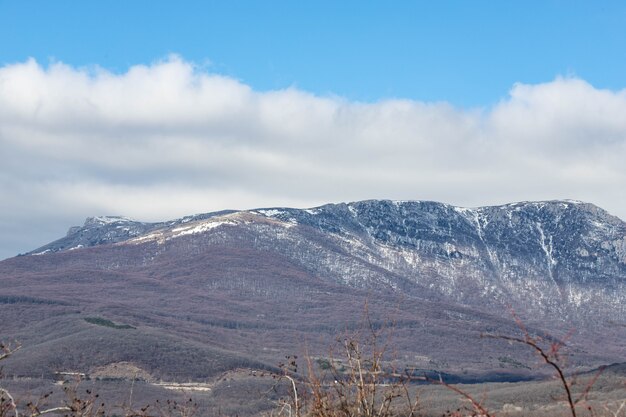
<point x="562" y="257"/>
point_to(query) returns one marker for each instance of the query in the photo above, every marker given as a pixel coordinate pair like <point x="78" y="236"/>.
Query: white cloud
<point x="166" y="140"/>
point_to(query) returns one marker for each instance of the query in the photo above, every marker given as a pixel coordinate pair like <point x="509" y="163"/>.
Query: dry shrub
<point x="357" y="380"/>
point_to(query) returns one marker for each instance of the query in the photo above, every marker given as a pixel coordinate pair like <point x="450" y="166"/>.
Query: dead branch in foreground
<point x="550" y="356"/>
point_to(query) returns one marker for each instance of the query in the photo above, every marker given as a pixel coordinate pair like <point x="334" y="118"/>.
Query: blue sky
<point x="467" y="53"/>
<point x="160" y="109"/>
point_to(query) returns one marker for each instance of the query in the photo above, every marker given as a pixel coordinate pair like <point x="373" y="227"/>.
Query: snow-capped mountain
<point x="233" y="288"/>
<point x="554" y="257"/>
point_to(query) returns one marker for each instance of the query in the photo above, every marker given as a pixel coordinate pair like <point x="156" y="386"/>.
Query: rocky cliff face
<point x="562" y="259"/>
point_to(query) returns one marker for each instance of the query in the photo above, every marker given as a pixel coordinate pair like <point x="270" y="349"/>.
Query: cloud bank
<point x="168" y="139"/>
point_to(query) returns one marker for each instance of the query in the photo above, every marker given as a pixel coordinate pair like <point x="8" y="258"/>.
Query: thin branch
<point x="529" y="341"/>
<point x="295" y="395"/>
<point x="11" y="400"/>
<point x="589" y="385"/>
<point x="616" y="412"/>
<point x="477" y="406"/>
<point x="7" y="350"/>
<point x="51" y="411"/>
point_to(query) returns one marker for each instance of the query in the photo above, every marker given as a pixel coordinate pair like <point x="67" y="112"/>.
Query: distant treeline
<point x="22" y="299"/>
<point x="107" y="323"/>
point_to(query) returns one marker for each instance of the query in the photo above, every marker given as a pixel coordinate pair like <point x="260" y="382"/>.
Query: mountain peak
<point x="104" y="220"/>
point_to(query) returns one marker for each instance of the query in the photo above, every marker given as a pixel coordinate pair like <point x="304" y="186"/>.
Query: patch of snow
<point x="547" y="249"/>
<point x="546" y="246"/>
<point x="582" y="252"/>
<point x="599" y="225"/>
<point x="110" y="219"/>
<point x="199" y="228"/>
<point x="450" y="248"/>
<point x="270" y="212"/>
<point x="578" y="297"/>
<point x="352" y="242"/>
<point x="465" y="211"/>
<point x="479" y="230"/>
<point x="289" y="223"/>
<point x="412" y="258"/>
<point x="157" y="236"/>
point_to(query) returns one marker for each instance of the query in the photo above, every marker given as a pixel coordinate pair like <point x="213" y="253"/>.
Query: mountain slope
<point x="268" y="282"/>
<point x="558" y="257"/>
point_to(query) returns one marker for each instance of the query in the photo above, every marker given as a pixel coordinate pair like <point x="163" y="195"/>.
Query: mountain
<point x="244" y="288"/>
<point x="559" y="257"/>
